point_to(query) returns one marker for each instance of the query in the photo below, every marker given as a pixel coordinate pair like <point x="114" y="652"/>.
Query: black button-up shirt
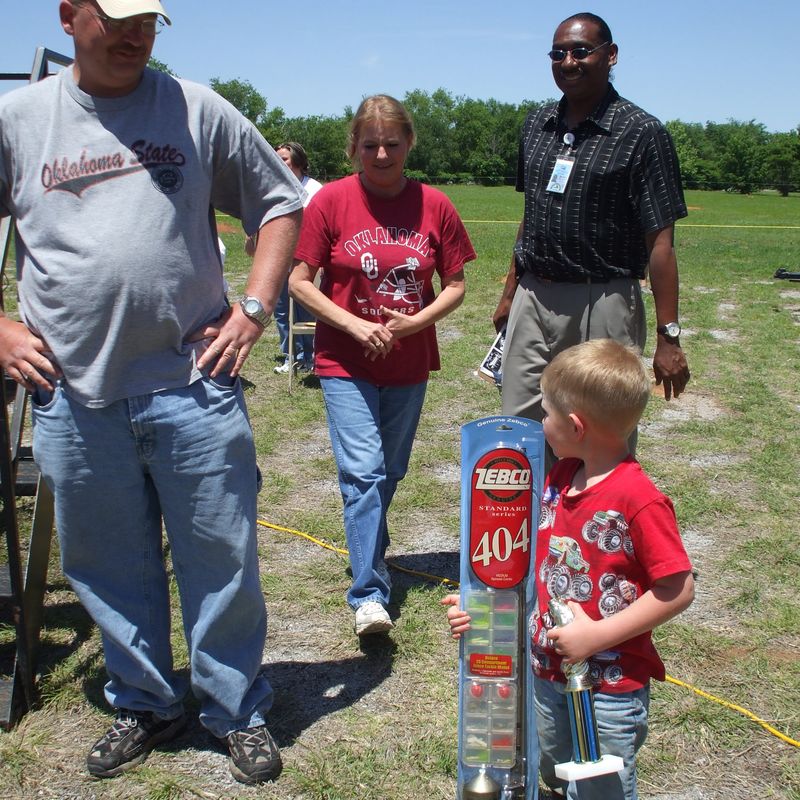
<point x="624" y="183"/>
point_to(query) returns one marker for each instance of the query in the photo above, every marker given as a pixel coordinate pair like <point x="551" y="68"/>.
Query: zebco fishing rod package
<point x="501" y="481"/>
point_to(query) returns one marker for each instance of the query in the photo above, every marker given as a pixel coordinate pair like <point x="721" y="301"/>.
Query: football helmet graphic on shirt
<point x="401" y="284"/>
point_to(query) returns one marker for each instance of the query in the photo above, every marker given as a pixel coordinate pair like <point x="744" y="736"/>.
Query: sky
<point x="694" y="60"/>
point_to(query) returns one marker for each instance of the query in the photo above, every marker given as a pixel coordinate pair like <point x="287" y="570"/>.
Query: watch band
<point x="672" y="330"/>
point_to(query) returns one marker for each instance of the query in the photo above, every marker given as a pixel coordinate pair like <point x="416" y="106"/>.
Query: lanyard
<point x="563" y="167"/>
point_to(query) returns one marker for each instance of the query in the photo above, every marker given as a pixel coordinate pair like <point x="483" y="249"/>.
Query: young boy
<point x="608" y="545"/>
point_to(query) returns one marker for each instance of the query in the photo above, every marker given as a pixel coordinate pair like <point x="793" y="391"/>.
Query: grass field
<point x="380" y="722"/>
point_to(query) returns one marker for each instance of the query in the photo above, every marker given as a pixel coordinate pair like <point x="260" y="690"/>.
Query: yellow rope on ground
<point x="677" y="224"/>
<point x="426" y="575"/>
<point x="308" y="536"/>
<point x="342" y="551"/>
<point x="220" y="215"/>
<point x="734" y="707"/>
<point x="439" y="579"/>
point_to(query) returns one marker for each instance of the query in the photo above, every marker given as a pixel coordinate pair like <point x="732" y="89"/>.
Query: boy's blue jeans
<point x="621" y="724"/>
<point x="186" y="455"/>
<point x="372" y="431"/>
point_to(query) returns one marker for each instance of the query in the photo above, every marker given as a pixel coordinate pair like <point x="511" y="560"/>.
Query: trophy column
<point x="587" y="762"/>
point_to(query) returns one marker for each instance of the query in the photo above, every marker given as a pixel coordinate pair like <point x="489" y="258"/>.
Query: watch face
<point x="252" y="306"/>
<point x="673" y="330"/>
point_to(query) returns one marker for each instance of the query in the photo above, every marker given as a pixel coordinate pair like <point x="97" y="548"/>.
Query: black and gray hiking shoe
<point x="128" y="741"/>
<point x="255" y="757"/>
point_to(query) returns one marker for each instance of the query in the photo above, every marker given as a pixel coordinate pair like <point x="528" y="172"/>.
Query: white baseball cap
<point x="119" y="9"/>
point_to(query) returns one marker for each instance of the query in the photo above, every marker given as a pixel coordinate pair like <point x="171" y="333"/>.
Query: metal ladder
<point x="21" y="592"/>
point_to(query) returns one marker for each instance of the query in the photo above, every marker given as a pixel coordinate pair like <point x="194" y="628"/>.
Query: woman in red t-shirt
<point x="378" y="238"/>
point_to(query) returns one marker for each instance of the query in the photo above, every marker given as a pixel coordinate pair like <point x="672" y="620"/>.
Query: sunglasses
<point x="578" y="53"/>
<point x="149" y="27"/>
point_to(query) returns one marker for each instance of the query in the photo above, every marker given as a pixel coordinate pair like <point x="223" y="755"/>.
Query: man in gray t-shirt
<point x="113" y="173"/>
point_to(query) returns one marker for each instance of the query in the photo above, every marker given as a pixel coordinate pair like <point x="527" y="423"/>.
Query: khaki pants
<point x="548" y="317"/>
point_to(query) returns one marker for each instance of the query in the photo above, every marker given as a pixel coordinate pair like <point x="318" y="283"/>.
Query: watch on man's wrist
<point x="253" y="308"/>
<point x="672" y="330"/>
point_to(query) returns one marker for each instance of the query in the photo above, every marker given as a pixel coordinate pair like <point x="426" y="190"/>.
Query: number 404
<point x="500" y="545"/>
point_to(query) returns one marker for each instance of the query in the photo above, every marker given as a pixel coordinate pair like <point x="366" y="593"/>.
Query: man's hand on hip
<point x="22" y="355"/>
<point x="230" y="340"/>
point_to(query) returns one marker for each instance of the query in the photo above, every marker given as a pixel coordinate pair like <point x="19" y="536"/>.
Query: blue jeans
<point x="372" y="431"/>
<point x="303" y="345"/>
<point x="621" y="725"/>
<point x="187" y="456"/>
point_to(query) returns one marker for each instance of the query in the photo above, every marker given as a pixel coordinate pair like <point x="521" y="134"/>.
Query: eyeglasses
<point x="578" y="53"/>
<point x="149" y="27"/>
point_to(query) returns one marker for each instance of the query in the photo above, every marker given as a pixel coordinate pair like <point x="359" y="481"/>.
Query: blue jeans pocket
<point x="223" y="381"/>
<point x="43" y="398"/>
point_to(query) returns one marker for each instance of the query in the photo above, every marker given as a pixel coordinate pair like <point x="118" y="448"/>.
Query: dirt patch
<point x="707" y="550"/>
<point x="724" y="335"/>
<point x="689" y="406"/>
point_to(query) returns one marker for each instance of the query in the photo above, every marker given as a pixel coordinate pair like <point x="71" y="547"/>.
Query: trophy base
<point x="574" y="771"/>
<point x="481" y="787"/>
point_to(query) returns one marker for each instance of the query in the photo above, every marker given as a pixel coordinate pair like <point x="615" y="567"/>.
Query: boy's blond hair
<point x="602" y="379"/>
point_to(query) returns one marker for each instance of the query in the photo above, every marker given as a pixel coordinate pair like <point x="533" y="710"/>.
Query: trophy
<point x="501" y="479"/>
<point x="587" y="762"/>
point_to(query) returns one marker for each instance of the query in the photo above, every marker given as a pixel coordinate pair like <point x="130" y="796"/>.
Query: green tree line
<point x="461" y="140"/>
<point x="737" y="156"/>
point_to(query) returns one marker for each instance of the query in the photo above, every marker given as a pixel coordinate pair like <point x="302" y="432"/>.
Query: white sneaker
<point x="372" y="617"/>
<point x="282" y="369"/>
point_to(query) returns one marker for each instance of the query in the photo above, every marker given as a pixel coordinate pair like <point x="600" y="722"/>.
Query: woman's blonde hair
<point x="378" y="107"/>
<point x="601" y="378"/>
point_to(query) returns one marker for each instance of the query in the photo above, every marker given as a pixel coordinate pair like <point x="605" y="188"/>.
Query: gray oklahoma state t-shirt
<point x="117" y="257"/>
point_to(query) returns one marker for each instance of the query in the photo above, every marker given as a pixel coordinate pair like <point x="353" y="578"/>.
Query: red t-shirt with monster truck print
<point x="603" y="548"/>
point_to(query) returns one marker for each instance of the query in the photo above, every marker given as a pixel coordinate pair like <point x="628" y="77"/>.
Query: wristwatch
<point x="253" y="308"/>
<point x="672" y="330"/>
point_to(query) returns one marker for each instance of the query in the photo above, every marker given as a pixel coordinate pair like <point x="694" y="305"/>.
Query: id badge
<point x="560" y="175"/>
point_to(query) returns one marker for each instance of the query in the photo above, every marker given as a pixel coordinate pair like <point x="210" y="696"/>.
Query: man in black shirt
<point x="602" y="194"/>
